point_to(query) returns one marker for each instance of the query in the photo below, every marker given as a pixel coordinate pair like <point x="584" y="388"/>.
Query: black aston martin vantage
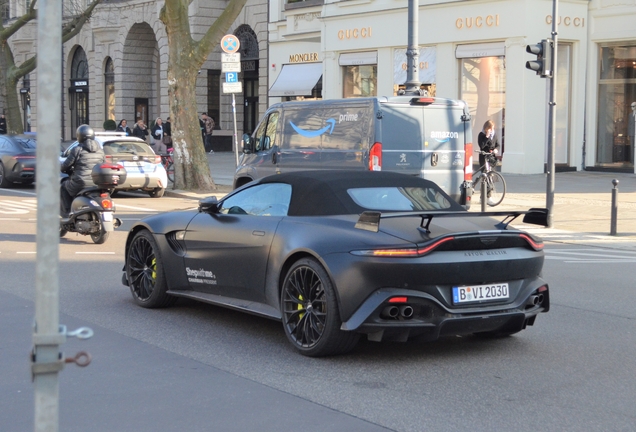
<point x="339" y="254"/>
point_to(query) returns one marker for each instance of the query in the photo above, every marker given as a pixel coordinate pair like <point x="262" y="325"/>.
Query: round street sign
<point x="230" y="43"/>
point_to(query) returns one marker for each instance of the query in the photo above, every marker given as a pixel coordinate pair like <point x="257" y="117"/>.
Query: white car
<point x="144" y="170"/>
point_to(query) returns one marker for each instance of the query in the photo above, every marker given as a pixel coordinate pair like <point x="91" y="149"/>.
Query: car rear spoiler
<point x="370" y="220"/>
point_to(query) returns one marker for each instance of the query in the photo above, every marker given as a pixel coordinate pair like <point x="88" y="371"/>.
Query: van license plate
<point x="465" y="294"/>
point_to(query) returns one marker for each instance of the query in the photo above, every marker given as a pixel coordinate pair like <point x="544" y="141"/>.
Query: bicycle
<point x="168" y="164"/>
<point x="495" y="183"/>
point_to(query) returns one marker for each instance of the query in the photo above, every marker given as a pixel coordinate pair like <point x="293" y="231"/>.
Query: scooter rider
<point x="79" y="165"/>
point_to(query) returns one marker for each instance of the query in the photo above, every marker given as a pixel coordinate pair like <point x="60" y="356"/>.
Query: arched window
<point x="109" y="90"/>
<point x="78" y="91"/>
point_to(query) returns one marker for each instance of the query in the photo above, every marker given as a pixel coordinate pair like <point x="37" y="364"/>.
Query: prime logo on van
<point x="315" y="133"/>
<point x="443" y="136"/>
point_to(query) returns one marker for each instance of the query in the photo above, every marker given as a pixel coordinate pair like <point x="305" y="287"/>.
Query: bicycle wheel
<point x="496" y="188"/>
<point x="170" y="171"/>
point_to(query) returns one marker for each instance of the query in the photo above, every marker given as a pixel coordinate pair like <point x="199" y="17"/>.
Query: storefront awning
<point x="296" y="79"/>
<point x="493" y="49"/>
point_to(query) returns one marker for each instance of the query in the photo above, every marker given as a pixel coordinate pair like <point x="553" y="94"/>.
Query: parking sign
<point x="231" y="77"/>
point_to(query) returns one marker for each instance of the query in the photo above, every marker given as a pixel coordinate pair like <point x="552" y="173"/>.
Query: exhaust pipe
<point x="390" y="312"/>
<point x="540" y="299"/>
<point x="406" y="311"/>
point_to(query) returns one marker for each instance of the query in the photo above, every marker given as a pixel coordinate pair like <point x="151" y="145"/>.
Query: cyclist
<point x="488" y="143"/>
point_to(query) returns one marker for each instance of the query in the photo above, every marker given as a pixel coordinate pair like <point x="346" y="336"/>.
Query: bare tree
<point x="75" y="16"/>
<point x="185" y="58"/>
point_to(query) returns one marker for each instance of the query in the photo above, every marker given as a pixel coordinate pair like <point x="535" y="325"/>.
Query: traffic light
<point x="543" y="64"/>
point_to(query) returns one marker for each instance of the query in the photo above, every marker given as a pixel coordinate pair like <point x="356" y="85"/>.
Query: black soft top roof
<point x="324" y="192"/>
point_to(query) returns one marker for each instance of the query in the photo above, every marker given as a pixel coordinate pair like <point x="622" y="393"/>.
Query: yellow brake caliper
<point x="300" y="307"/>
<point x="153" y="267"/>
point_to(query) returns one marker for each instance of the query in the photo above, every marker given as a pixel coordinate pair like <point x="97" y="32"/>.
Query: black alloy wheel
<point x="144" y="270"/>
<point x="4" y="183"/>
<point x="310" y="312"/>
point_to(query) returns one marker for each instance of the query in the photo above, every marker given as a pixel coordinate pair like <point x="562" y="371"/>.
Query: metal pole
<point x="46" y="336"/>
<point x="614" y="207"/>
<point x="412" y="52"/>
<point x="483" y="192"/>
<point x="236" y="152"/>
<point x="552" y="115"/>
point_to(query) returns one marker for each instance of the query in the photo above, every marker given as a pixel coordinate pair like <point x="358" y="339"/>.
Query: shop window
<point x="109" y="90"/>
<point x="360" y="81"/>
<point x="616" y="118"/>
<point x="483" y="87"/>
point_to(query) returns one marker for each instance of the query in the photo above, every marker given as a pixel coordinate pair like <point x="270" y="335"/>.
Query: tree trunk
<point x="9" y="91"/>
<point x="185" y="58"/>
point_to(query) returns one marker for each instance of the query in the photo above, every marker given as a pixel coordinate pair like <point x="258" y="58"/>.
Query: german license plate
<point x="465" y="294"/>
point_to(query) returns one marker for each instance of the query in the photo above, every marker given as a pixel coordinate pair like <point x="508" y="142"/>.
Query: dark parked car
<point x="17" y="159"/>
<point x="337" y="254"/>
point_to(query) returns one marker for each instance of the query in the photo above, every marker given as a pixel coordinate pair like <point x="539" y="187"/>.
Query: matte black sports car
<point x="337" y="254"/>
<point x="17" y="159"/>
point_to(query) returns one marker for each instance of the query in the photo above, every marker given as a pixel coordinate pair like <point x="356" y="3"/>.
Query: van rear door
<point x="425" y="137"/>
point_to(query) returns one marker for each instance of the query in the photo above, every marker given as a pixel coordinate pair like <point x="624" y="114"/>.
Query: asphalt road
<point x="197" y="367"/>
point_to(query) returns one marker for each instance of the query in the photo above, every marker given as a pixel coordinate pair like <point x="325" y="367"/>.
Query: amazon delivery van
<point x="420" y="136"/>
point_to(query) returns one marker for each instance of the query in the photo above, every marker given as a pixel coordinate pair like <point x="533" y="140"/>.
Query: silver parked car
<point x="143" y="167"/>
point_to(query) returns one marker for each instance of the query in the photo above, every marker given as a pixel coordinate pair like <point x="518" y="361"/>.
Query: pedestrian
<point x="140" y="130"/>
<point x="123" y="127"/>
<point x="3" y="125"/>
<point x="167" y="133"/>
<point x="202" y="126"/>
<point x="157" y="137"/>
<point x="209" y="124"/>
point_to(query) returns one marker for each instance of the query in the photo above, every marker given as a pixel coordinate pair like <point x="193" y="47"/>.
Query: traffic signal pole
<point x="549" y="197"/>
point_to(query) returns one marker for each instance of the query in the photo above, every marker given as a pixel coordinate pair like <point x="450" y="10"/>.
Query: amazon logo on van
<point x="314" y="133"/>
<point x="443" y="136"/>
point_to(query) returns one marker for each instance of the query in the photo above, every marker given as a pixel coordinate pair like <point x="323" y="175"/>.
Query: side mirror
<point x="248" y="145"/>
<point x="209" y="205"/>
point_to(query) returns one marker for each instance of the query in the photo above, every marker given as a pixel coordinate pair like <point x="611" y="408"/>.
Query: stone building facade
<point x="116" y="68"/>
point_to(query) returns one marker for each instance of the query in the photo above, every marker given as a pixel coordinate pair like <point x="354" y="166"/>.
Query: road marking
<point x="136" y="208"/>
<point x="590" y="256"/>
<point x="10" y="219"/>
<point x="17" y="207"/>
<point x="95" y="253"/>
<point x="29" y="253"/>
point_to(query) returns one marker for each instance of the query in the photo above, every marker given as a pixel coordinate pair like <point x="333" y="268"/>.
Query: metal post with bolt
<point x="614" y="216"/>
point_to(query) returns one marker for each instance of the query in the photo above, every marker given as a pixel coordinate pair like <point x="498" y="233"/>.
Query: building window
<point x="214" y="96"/>
<point x="5" y="10"/>
<point x="616" y="118"/>
<point x="360" y="81"/>
<point x="109" y="90"/>
<point x="483" y="87"/>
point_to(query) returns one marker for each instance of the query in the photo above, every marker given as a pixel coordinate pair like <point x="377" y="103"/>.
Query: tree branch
<point x="73" y="27"/>
<point x="217" y="30"/>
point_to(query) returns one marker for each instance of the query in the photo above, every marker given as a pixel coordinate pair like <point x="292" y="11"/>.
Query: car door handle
<point x="258" y="233"/>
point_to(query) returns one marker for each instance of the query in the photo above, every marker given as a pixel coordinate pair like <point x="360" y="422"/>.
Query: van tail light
<point x="375" y="157"/>
<point x="468" y="162"/>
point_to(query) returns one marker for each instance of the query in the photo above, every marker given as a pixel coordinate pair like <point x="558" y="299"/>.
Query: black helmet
<point x="85" y="132"/>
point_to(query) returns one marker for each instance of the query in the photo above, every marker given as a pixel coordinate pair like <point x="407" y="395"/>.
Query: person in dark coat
<point x="79" y="165"/>
<point x="140" y="130"/>
<point x="488" y="141"/>
<point x="3" y="125"/>
<point x="123" y="127"/>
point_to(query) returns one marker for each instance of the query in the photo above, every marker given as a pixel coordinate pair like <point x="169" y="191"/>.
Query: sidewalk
<point x="581" y="211"/>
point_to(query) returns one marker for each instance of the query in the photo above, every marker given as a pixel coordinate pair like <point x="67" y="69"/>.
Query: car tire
<point x="310" y="314"/>
<point x="4" y="183"/>
<point x="145" y="272"/>
<point x="156" y="193"/>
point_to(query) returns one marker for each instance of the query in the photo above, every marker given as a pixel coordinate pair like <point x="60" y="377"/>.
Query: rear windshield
<point x="124" y="148"/>
<point x="400" y="198"/>
<point x="25" y="143"/>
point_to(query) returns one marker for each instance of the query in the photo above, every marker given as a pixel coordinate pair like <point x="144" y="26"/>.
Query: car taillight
<point x="375" y="157"/>
<point x="24" y="157"/>
<point x="534" y="244"/>
<point x="468" y="162"/>
<point x="422" y="101"/>
<point x="404" y="252"/>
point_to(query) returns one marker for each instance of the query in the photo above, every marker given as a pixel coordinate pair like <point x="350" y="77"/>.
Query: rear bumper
<point x="21" y="172"/>
<point x="429" y="319"/>
<point x="145" y="181"/>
